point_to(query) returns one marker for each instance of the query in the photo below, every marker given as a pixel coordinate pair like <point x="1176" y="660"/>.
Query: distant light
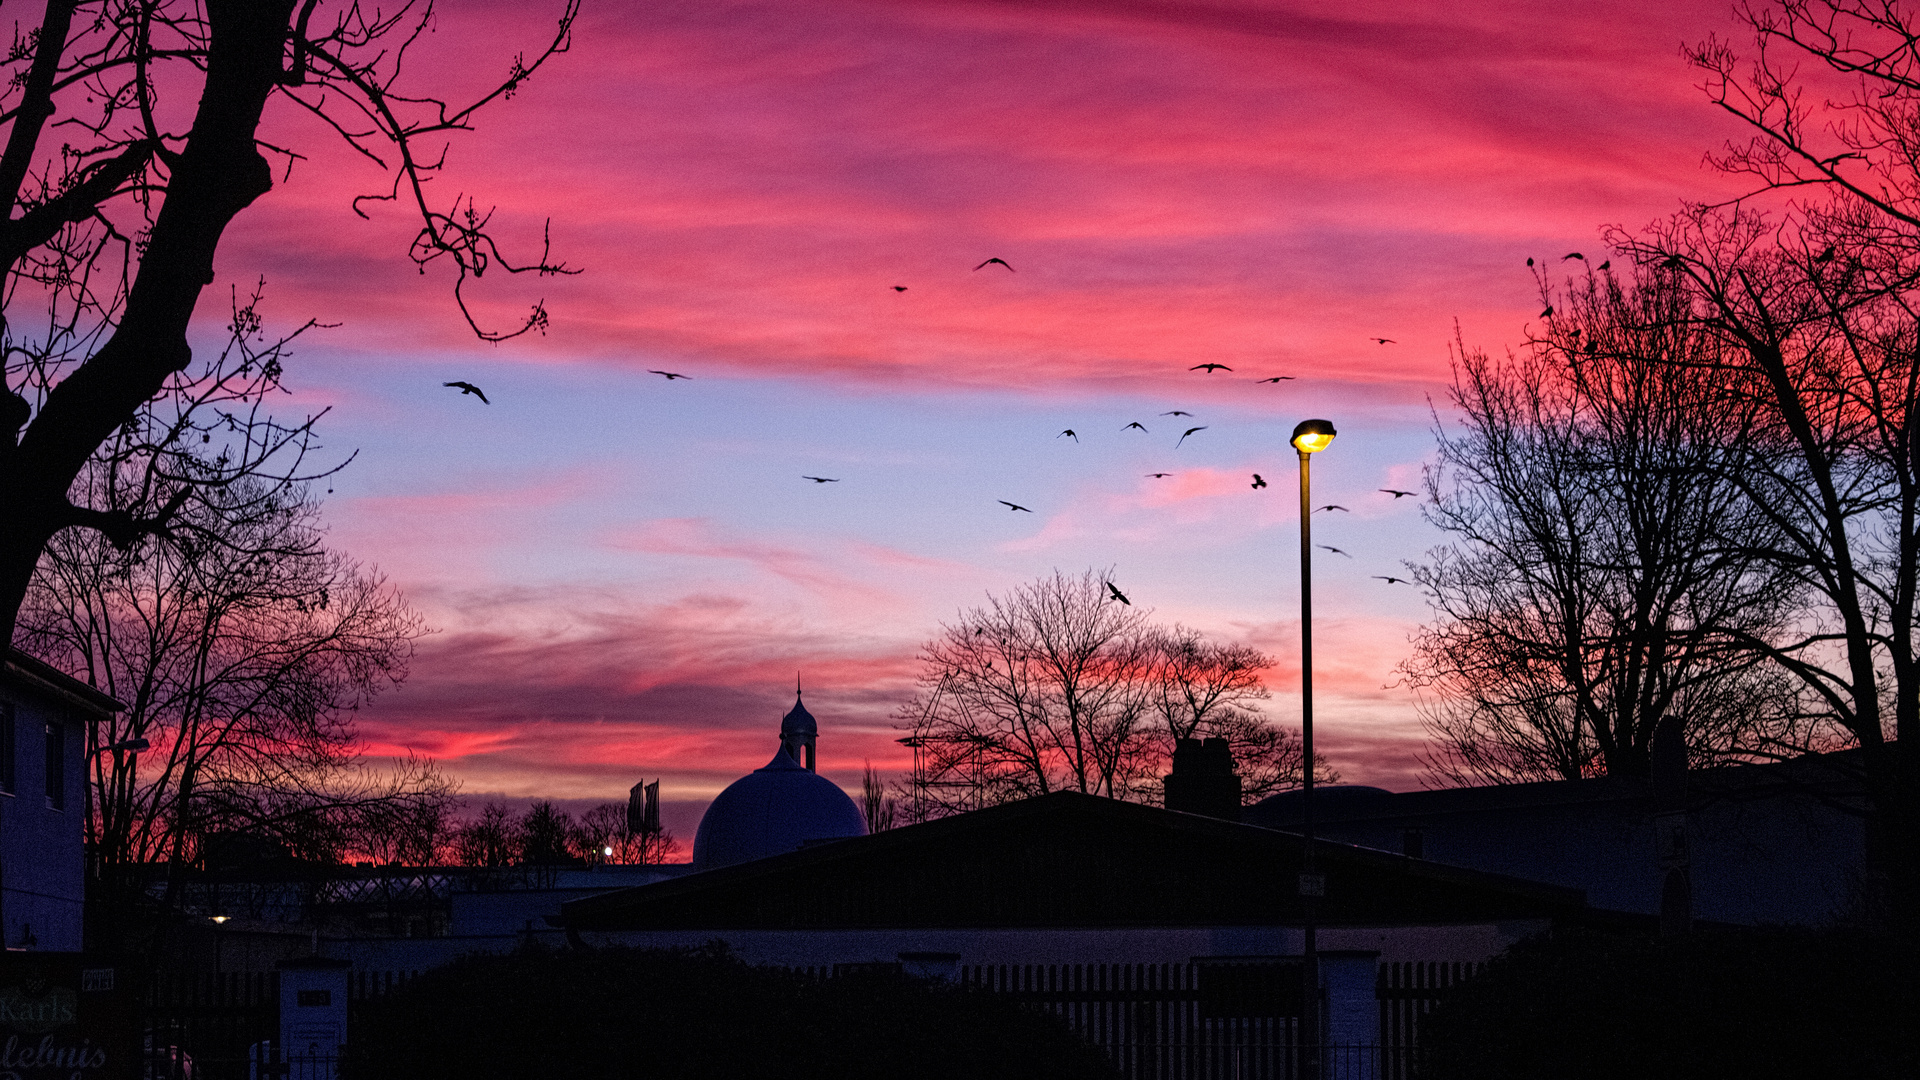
<point x="220" y="918"/>
<point x="1313" y="435"/>
<point x="607" y="851"/>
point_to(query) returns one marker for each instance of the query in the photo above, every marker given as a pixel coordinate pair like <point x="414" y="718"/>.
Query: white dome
<point x="771" y="811"/>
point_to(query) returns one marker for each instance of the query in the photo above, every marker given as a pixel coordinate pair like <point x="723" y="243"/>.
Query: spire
<point x="798" y="730"/>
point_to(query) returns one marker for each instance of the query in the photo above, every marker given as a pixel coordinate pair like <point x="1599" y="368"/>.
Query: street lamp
<point x="131" y="746"/>
<point x="1309" y="437"/>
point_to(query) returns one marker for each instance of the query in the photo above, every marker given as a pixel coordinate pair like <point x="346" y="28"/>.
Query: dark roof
<point x="1068" y="860"/>
<point x="50" y="680"/>
<point x="1834" y="776"/>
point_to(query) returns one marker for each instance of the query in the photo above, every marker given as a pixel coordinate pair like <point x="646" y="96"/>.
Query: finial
<point x="796" y="683"/>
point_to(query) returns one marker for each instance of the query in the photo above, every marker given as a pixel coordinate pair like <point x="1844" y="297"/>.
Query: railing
<point x="1206" y="1020"/>
<point x="1407" y="992"/>
<point x="1214" y="1020"/>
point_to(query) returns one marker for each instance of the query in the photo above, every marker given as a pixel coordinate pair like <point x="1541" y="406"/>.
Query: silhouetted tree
<point x="1056" y="686"/>
<point x="110" y="218"/>
<point x="242" y="650"/>
<point x="1209" y="690"/>
<point x="1818" y="315"/>
<point x="1608" y="567"/>
<point x="491" y="840"/>
<point x="605" y="826"/>
<point x="877" y="804"/>
<point x="547" y="834"/>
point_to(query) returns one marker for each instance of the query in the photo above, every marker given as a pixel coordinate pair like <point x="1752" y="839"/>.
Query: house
<point x="44" y="721"/>
<point x="1775" y="843"/>
<point x="1073" y="878"/>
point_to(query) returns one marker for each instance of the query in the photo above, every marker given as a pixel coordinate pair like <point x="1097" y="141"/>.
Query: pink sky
<point x="625" y="573"/>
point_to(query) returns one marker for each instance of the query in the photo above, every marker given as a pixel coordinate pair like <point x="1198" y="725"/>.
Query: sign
<point x="64" y="1016"/>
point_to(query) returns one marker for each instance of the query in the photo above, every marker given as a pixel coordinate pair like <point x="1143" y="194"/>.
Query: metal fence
<point x="1211" y="1020"/>
<point x="1205" y="1020"/>
<point x="202" y="1025"/>
<point x="1407" y="992"/>
<point x="226" y="1026"/>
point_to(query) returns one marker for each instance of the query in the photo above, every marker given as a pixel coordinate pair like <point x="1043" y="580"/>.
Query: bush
<point x="1754" y="1004"/>
<point x="631" y="1013"/>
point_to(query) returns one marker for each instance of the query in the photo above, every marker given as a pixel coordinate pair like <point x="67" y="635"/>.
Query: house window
<point x="56" y="766"/>
<point x="6" y="747"/>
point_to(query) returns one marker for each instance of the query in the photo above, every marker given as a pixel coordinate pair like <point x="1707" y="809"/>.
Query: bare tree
<point x="877" y="803"/>
<point x="1204" y="689"/>
<point x="606" y="826"/>
<point x="1609" y="569"/>
<point x="421" y="834"/>
<point x="110" y="218"/>
<point x="242" y="649"/>
<point x="1040" y="690"/>
<point x="1056" y="686"/>
<point x="548" y="834"/>
<point x="491" y="840"/>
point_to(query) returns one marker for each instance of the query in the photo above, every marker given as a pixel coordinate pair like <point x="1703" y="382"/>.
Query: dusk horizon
<point x="786" y="204"/>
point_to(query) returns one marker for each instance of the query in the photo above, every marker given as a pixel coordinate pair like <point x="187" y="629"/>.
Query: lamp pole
<point x="1309" y="437"/>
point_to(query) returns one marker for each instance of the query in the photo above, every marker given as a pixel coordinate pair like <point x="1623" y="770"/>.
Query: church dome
<point x="774" y="810"/>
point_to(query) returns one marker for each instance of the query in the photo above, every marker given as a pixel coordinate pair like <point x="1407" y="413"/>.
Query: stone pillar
<point x="313" y="1016"/>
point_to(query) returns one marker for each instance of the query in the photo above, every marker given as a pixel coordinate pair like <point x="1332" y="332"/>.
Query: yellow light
<point x="220" y="918"/>
<point x="1313" y="436"/>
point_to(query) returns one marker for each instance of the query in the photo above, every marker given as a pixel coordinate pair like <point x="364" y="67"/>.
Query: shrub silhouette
<point x="1754" y="1004"/>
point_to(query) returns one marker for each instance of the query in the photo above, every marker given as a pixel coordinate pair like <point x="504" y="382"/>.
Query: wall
<point x="42" y="860"/>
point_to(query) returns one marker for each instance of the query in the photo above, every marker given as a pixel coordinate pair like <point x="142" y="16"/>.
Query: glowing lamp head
<point x="1313" y="436"/>
<point x="607" y="851"/>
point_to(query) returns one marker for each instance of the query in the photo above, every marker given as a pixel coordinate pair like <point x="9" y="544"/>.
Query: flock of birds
<point x="467" y="388"/>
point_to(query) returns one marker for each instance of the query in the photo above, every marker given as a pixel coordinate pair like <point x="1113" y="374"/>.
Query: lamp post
<point x="1309" y="437"/>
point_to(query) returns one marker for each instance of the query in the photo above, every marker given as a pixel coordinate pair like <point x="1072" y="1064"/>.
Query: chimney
<point x="1203" y="780"/>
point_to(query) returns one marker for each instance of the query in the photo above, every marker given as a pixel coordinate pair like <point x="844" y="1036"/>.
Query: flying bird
<point x="1386" y="341"/>
<point x="1573" y="255"/>
<point x="1257" y="482"/>
<point x="1211" y="368"/>
<point x="899" y="288"/>
<point x="1118" y="595"/>
<point x="1333" y="549"/>
<point x="822" y="479"/>
<point x="1189" y="431"/>
<point x="468" y="388"/>
<point x="990" y="262"/>
<point x="1396" y="492"/>
<point x="1176" y="412"/>
<point x="1159" y="475"/>
<point x="1277" y="378"/>
<point x="1392" y="580"/>
<point x="1332" y="506"/>
<point x="1137" y="424"/>
<point x="1067" y="432"/>
<point x="1012" y="506"/>
<point x="671" y="375"/>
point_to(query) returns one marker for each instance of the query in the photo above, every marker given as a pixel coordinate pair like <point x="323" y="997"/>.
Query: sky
<point x="624" y="573"/>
